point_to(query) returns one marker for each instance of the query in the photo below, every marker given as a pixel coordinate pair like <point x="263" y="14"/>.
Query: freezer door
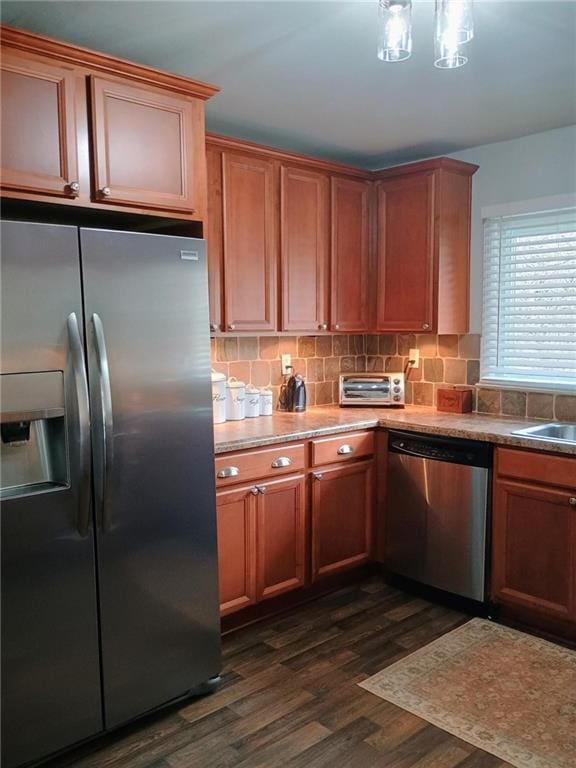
<point x="50" y="660"/>
<point x="146" y="310"/>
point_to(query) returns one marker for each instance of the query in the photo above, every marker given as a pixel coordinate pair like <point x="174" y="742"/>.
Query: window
<point x="529" y="311"/>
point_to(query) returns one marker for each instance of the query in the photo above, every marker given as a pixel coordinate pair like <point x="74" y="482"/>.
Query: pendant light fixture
<point x="394" y="30"/>
<point x="454" y="27"/>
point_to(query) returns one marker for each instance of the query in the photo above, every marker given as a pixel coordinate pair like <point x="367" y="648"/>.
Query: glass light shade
<point x="394" y="30"/>
<point x="454" y="27"/>
<point x="454" y="21"/>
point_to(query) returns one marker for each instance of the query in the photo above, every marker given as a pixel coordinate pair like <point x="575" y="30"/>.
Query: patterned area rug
<point x="508" y="693"/>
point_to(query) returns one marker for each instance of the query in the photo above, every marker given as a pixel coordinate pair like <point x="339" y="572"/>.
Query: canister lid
<point x="233" y="383"/>
<point x="218" y="376"/>
<point x="250" y="390"/>
<point x="265" y="391"/>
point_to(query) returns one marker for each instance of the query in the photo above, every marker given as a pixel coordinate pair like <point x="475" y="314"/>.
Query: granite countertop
<point x="331" y="419"/>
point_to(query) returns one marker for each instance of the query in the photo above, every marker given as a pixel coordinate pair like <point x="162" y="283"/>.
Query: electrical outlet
<point x="286" y="365"/>
<point x="414" y="358"/>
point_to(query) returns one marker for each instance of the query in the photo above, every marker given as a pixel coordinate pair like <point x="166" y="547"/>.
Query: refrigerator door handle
<point x="103" y="427"/>
<point x="80" y="472"/>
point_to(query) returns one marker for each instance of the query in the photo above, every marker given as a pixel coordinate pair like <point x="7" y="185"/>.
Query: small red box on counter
<point x="454" y="400"/>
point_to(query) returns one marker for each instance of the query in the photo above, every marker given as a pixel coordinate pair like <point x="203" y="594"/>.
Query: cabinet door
<point x="341" y="518"/>
<point x="250" y="242"/>
<point x="405" y="288"/>
<point x="350" y="255"/>
<point x="534" y="548"/>
<point x="236" y="516"/>
<point x="304" y="250"/>
<point x="215" y="238"/>
<point x="39" y="142"/>
<point x="281" y="536"/>
<point x="148" y="147"/>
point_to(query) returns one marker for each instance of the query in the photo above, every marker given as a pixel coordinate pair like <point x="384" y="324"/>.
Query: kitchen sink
<point x="558" y="432"/>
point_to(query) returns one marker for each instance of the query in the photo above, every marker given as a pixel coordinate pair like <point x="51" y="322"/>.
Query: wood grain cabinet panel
<point x="250" y="242"/>
<point x="39" y="141"/>
<point x="534" y="548"/>
<point x="148" y="147"/>
<point x="350" y="259"/>
<point x="341" y="518"/>
<point x="281" y="536"/>
<point x="304" y="254"/>
<point x="423" y="247"/>
<point x="405" y="286"/>
<point x="236" y="520"/>
<point x="215" y="239"/>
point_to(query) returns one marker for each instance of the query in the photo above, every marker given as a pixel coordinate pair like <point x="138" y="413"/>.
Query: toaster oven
<point x="372" y="389"/>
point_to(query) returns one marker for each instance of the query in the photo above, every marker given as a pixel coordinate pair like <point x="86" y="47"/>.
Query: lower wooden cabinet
<point x="261" y="541"/>
<point x="534" y="536"/>
<point x="236" y="520"/>
<point x="341" y="518"/>
<point x="281" y="536"/>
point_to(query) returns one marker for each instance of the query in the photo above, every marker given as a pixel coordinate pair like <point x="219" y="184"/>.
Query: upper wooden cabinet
<point x="86" y="129"/>
<point x="147" y="147"/>
<point x="304" y="249"/>
<point x="423" y="247"/>
<point x="350" y="255"/>
<point x="250" y="242"/>
<point x="39" y="148"/>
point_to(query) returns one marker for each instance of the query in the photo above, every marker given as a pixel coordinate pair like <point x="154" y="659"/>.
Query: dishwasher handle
<point x="438" y="448"/>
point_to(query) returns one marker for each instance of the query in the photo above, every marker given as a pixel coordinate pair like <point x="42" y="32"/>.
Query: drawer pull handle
<point x="281" y="461"/>
<point x="254" y="490"/>
<point x="344" y="449"/>
<point x="572" y="501"/>
<point x="317" y="475"/>
<point x="261" y="488"/>
<point x="228" y="472"/>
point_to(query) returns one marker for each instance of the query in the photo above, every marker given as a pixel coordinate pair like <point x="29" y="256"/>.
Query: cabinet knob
<point x="337" y="327"/>
<point x="105" y="191"/>
<point x="572" y="501"/>
<point x="254" y="490"/>
<point x="74" y="188"/>
<point x="214" y="327"/>
<point x="231" y="327"/>
<point x="261" y="488"/>
<point x="323" y="327"/>
<point x="317" y="475"/>
<point x="425" y="326"/>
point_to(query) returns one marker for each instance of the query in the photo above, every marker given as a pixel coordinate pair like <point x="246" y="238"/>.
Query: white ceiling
<point x="304" y="75"/>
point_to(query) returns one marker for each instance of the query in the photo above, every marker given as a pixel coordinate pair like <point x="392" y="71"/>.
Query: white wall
<point x="540" y="165"/>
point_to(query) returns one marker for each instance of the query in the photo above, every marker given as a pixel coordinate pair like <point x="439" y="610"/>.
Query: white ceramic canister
<point x="252" y="402"/>
<point x="219" y="397"/>
<point x="235" y="399"/>
<point x="266" y="402"/>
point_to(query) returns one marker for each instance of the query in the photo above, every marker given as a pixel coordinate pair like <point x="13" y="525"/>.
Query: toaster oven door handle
<point x="345" y="449"/>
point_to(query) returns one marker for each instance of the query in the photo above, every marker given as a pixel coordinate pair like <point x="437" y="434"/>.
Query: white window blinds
<point x="529" y="319"/>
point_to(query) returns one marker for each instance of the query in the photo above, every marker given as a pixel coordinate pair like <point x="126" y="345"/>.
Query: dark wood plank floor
<point x="290" y="696"/>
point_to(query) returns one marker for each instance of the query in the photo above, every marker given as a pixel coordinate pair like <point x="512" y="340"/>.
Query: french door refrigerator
<point x="109" y="569"/>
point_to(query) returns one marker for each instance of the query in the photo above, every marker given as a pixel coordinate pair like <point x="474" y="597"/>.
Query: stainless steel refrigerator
<point x="109" y="568"/>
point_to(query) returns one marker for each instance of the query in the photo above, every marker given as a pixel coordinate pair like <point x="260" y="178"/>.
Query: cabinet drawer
<point x="536" y="467"/>
<point x="253" y="465"/>
<point x="342" y="448"/>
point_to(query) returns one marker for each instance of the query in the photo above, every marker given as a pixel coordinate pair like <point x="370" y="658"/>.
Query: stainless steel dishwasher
<point x="436" y="513"/>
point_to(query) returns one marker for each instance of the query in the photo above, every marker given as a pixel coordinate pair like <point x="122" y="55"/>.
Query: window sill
<point x="547" y="388"/>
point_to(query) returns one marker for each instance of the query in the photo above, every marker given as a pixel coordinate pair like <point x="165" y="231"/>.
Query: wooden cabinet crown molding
<point x="422" y="166"/>
<point x="78" y="56"/>
<point x="231" y="144"/>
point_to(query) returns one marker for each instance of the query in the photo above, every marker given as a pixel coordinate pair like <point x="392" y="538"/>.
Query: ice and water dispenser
<point x="33" y="454"/>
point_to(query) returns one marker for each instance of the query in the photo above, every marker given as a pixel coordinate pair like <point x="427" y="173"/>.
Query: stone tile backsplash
<point x="444" y="360"/>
